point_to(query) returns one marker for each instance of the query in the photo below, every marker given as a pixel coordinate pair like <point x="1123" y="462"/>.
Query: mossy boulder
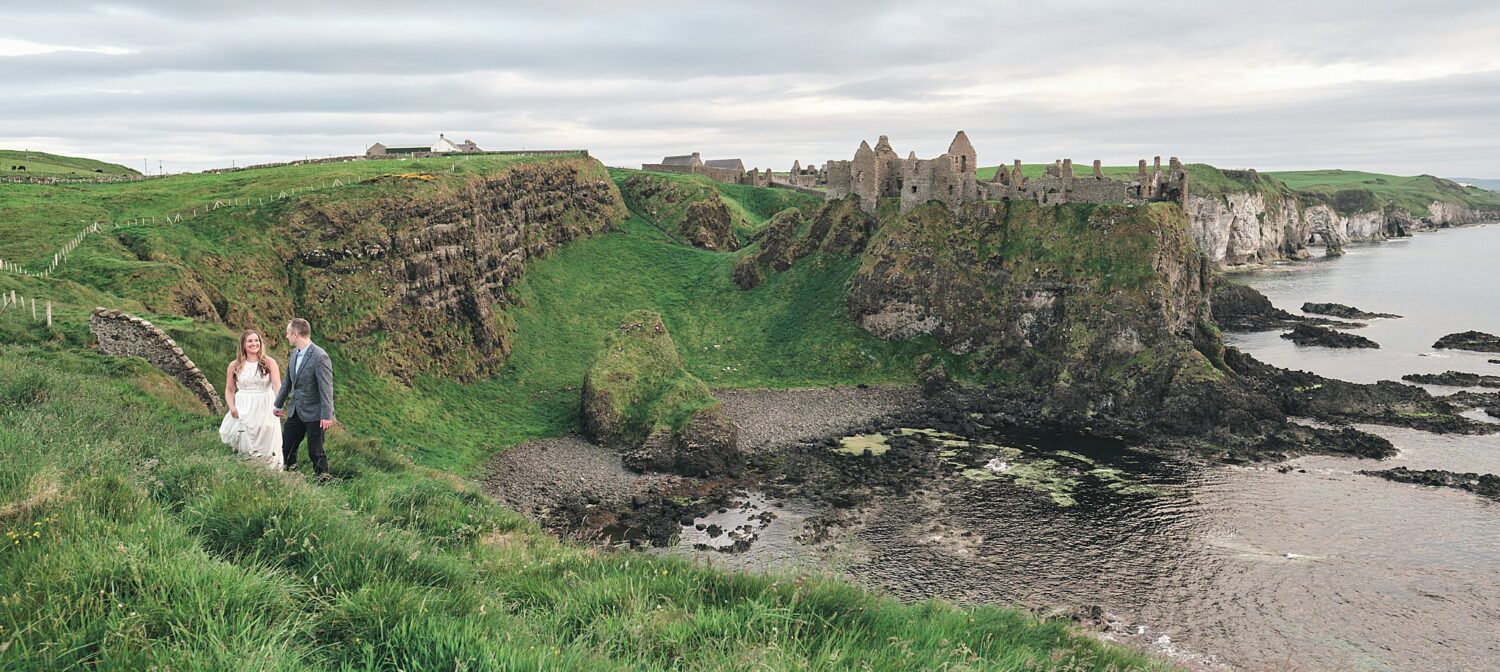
<point x="638" y="398"/>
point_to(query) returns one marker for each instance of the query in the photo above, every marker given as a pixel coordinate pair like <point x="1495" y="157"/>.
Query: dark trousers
<point x="291" y="441"/>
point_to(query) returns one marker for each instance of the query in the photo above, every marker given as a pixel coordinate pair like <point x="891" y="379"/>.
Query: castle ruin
<point x="880" y="172"/>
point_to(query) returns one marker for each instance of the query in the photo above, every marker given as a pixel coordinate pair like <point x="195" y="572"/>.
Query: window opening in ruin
<point x="913" y="188"/>
<point x="963" y="163"/>
<point x="950" y="190"/>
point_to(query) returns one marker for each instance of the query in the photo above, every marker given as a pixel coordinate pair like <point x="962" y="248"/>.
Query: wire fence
<point x="12" y="303"/>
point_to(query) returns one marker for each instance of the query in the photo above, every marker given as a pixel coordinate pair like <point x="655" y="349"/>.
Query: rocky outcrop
<point x="1308" y="395"/>
<point x="1474" y="341"/>
<point x="1238" y="307"/>
<point x="1307" y="334"/>
<point x="1453" y="379"/>
<point x="416" y="277"/>
<point x="638" y="399"/>
<point x="841" y="228"/>
<point x="1342" y="311"/>
<point x="747" y="273"/>
<point x="707" y="225"/>
<point x="1484" y="485"/>
<point x="125" y="335"/>
<point x="689" y="209"/>
<point x="1095" y="311"/>
<point x="780" y="246"/>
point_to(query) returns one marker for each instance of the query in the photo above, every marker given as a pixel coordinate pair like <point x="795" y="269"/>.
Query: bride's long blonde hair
<point x="239" y="359"/>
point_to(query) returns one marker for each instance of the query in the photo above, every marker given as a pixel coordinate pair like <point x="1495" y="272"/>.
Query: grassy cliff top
<point x="42" y="217"/>
<point x="42" y="164"/>
<point x="1342" y="189"/>
<point x="1414" y="193"/>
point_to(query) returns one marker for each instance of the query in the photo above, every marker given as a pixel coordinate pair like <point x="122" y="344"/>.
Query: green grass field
<point x="130" y="539"/>
<point x="1412" y="193"/>
<point x="42" y="164"/>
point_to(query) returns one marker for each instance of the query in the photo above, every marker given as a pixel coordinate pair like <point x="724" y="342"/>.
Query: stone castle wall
<point x="125" y="335"/>
<point x="879" y="172"/>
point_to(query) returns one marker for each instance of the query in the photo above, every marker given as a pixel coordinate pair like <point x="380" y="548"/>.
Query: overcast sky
<point x="1394" y="87"/>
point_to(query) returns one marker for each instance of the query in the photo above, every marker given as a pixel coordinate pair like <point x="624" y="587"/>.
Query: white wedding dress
<point x="256" y="432"/>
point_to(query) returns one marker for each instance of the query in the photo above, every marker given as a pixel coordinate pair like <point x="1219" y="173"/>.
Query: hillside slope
<point x="42" y="164"/>
<point x="134" y="540"/>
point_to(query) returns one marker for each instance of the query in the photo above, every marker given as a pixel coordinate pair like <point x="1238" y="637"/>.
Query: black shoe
<point x="291" y="467"/>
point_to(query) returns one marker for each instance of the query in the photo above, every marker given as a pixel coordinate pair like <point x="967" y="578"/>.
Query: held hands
<point x="276" y="412"/>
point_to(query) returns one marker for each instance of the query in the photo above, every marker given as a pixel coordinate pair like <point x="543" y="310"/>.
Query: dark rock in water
<point x="1476" y="341"/>
<point x="1308" y="395"/>
<point x="1485" y="485"/>
<point x="1453" y="378"/>
<point x="1345" y="440"/>
<point x="1495" y="361"/>
<point x="1493" y="411"/>
<point x="1351" y="441"/>
<point x="1306" y="334"/>
<point x="1343" y="311"/>
<point x="1237" y="307"/>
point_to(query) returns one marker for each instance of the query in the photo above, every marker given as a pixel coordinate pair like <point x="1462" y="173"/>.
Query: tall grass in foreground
<point x="133" y="540"/>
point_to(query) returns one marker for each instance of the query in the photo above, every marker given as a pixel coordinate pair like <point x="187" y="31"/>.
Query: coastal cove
<point x="1259" y="566"/>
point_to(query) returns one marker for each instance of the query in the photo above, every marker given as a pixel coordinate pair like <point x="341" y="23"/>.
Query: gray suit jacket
<point x="311" y="386"/>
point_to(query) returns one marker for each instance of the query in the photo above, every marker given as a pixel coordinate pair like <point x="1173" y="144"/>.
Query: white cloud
<point x="1275" y="84"/>
<point x="14" y="47"/>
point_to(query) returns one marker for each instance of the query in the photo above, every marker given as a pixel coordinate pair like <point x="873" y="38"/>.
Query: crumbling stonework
<point x="878" y="172"/>
<point x="125" y="335"/>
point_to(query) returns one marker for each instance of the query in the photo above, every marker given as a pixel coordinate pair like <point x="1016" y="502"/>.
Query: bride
<point x="250" y="386"/>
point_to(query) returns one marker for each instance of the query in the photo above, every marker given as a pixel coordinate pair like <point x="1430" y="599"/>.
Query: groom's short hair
<point x="299" y="327"/>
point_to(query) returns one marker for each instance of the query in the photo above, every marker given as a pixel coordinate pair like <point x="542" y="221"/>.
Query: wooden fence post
<point x="49" y="313"/>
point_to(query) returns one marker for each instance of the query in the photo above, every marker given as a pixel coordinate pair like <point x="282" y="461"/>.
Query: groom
<point x="307" y="395"/>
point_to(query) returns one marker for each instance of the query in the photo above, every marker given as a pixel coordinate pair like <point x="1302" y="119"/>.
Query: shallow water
<point x="1440" y="282"/>
<point x="1317" y="568"/>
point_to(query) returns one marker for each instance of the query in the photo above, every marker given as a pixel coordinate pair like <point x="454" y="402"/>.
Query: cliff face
<point x="1242" y="227"/>
<point x="1258" y="226"/>
<point x="413" y="274"/>
<point x="1092" y="309"/>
